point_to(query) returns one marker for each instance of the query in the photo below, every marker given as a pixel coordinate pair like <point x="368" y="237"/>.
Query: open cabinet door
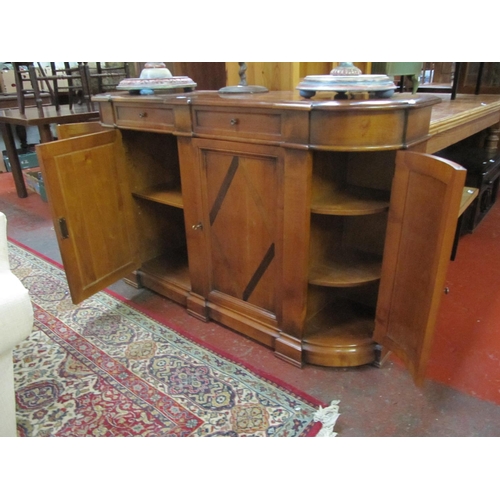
<point x="69" y="130"/>
<point x="87" y="187"/>
<point x="423" y="214"/>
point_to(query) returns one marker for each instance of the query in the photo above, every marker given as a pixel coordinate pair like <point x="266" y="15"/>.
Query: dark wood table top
<point x="10" y="100"/>
<point x="42" y="118"/>
<point x="49" y="114"/>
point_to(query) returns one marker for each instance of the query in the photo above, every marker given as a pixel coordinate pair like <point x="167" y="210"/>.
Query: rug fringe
<point x="328" y="417"/>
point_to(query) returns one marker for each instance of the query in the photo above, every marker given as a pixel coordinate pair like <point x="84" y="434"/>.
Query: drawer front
<point x="142" y="117"/>
<point x="235" y="123"/>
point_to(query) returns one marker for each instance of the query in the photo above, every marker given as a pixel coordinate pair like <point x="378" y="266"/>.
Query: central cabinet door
<point x="241" y="189"/>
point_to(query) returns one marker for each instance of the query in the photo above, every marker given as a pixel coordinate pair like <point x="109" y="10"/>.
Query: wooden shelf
<point x="469" y="194"/>
<point x="347" y="269"/>
<point x="351" y="201"/>
<point x="171" y="267"/>
<point x="163" y="194"/>
<point x="340" y="335"/>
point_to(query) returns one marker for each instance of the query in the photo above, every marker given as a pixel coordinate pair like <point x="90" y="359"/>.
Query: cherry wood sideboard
<point x="303" y="224"/>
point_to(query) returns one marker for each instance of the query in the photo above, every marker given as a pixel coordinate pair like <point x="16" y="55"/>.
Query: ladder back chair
<point x="72" y="78"/>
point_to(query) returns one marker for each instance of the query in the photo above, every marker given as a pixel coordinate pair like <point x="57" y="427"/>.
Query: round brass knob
<point x="197" y="227"/>
<point x="234" y="121"/>
<point x="143" y="115"/>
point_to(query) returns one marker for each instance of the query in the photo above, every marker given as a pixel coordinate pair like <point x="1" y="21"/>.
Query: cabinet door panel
<point x="69" y="130"/>
<point x="242" y="195"/>
<point x="422" y="221"/>
<point x="87" y="186"/>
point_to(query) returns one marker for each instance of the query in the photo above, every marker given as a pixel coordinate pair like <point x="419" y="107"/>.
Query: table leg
<point x="45" y="133"/>
<point x="22" y="135"/>
<point x="17" y="173"/>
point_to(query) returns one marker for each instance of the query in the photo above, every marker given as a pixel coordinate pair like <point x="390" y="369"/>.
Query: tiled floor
<point x="461" y="398"/>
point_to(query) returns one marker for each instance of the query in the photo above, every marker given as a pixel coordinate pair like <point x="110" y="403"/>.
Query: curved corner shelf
<point x="340" y="335"/>
<point x="348" y="268"/>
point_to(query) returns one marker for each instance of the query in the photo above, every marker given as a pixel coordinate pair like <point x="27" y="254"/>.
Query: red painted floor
<point x="461" y="396"/>
<point x="466" y="350"/>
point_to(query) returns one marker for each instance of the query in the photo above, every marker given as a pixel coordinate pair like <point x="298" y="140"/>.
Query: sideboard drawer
<point x="142" y="117"/>
<point x="236" y="123"/>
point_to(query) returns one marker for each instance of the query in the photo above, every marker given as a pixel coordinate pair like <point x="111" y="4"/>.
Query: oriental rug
<point x="103" y="368"/>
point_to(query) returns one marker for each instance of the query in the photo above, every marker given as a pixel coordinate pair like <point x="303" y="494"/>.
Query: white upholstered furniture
<point x="16" y="323"/>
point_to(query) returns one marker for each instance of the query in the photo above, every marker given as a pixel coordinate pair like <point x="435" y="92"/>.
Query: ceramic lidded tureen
<point x="156" y="76"/>
<point x="347" y="78"/>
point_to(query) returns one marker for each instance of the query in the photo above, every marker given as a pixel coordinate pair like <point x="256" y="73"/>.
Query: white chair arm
<point x="16" y="311"/>
<point x="4" y="256"/>
<point x="16" y="323"/>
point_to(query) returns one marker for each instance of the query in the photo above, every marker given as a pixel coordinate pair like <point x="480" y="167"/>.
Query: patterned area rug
<point x="104" y="369"/>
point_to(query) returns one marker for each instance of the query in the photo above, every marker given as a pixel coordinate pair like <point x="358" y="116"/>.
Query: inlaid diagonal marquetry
<point x="259" y="272"/>
<point x="242" y="212"/>
<point x="231" y="171"/>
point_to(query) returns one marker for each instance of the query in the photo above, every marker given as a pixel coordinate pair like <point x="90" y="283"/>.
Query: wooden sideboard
<point x="300" y="223"/>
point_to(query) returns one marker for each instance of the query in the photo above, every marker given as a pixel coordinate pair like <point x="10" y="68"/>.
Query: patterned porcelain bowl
<point x="379" y="85"/>
<point x="155" y="70"/>
<point x="156" y="77"/>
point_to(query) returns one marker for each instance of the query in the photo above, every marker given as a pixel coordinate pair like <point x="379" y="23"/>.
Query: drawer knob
<point x="234" y="121"/>
<point x="143" y="115"/>
<point x="197" y="227"/>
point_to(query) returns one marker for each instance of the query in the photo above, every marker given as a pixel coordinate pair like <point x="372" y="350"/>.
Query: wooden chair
<point x="107" y="76"/>
<point x="460" y="80"/>
<point x="76" y="84"/>
<point x="402" y="69"/>
<point x="22" y="76"/>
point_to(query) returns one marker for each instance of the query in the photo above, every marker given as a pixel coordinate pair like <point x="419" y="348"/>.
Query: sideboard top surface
<point x="444" y="110"/>
<point x="281" y="99"/>
<point x="428" y="122"/>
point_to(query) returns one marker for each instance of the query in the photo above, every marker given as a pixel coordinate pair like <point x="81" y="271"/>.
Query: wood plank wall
<point x="282" y="75"/>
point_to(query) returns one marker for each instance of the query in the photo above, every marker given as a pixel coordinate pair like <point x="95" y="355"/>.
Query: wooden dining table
<point x="43" y="119"/>
<point x="9" y="100"/>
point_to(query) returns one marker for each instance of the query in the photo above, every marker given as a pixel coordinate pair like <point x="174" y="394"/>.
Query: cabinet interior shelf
<point x="340" y="335"/>
<point x="164" y="194"/>
<point x="347" y="268"/>
<point x="350" y="201"/>
<point x="171" y="266"/>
